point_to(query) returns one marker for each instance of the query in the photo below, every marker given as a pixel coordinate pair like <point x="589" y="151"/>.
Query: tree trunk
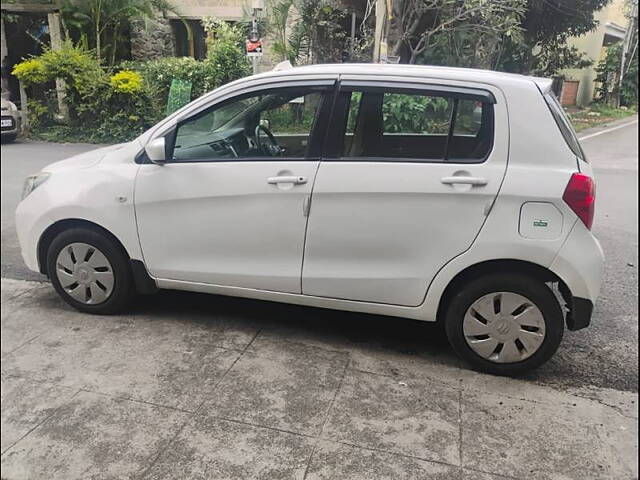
<point x="56" y="44"/>
<point x="114" y="45"/>
<point x="413" y="57"/>
<point x="98" y="46"/>
<point x="98" y="31"/>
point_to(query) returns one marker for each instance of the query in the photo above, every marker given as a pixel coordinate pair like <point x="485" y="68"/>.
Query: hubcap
<point x="84" y="273"/>
<point x="504" y="327"/>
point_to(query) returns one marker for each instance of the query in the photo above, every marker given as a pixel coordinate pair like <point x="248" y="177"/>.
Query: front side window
<point x="415" y="126"/>
<point x="275" y="123"/>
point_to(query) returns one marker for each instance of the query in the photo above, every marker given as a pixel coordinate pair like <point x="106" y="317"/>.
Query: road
<point x="604" y="355"/>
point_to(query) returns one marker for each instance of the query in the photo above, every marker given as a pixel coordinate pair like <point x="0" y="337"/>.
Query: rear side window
<point x="416" y="114"/>
<point x="564" y="124"/>
<point x="416" y="126"/>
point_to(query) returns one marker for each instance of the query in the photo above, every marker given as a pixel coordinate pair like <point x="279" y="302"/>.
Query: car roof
<point x="422" y="71"/>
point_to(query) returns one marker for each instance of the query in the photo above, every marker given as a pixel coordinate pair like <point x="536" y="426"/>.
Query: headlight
<point x="32" y="182"/>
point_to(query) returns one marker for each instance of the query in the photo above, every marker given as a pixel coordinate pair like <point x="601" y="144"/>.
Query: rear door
<point x="409" y="175"/>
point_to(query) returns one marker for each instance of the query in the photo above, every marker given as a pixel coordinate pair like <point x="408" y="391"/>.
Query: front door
<point x="405" y="188"/>
<point x="229" y="208"/>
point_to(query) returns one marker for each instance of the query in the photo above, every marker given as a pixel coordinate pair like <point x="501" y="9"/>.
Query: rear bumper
<point x="579" y="264"/>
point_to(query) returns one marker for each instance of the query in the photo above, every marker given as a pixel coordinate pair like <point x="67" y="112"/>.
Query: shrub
<point x="106" y="106"/>
<point x="126" y="81"/>
<point x="39" y="114"/>
<point x="226" y="57"/>
<point x="31" y="72"/>
<point x="101" y="107"/>
<point x="158" y="75"/>
<point x="84" y="79"/>
<point x="225" y="62"/>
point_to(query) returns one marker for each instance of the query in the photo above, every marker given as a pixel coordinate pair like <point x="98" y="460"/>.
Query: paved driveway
<point x="188" y="386"/>
<point x="203" y="387"/>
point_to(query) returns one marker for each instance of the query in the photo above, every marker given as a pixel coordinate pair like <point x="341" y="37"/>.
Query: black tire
<point x="123" y="286"/>
<point x="531" y="288"/>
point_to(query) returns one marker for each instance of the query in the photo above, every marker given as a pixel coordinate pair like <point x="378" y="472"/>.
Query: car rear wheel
<point x="89" y="271"/>
<point x="505" y="324"/>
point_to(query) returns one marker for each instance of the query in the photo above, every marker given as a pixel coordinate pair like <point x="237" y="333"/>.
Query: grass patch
<point x="597" y="114"/>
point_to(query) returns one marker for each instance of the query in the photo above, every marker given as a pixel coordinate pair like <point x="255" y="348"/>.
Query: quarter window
<point x="564" y="125"/>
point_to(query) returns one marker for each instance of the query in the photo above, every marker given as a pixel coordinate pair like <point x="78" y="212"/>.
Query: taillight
<point x="580" y="195"/>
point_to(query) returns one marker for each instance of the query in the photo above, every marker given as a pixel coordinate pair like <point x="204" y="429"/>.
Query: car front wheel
<point x="89" y="271"/>
<point x="505" y="324"/>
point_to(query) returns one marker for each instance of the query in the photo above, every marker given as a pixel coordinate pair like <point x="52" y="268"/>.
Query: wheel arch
<point x="477" y="270"/>
<point x="60" y="226"/>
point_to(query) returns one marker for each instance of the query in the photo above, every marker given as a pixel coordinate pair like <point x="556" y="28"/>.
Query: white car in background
<point x="9" y="121"/>
<point x="438" y="194"/>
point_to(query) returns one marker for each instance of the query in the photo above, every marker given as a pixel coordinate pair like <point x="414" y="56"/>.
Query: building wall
<point x="593" y="45"/>
<point x="229" y="10"/>
<point x="151" y="39"/>
<point x="223" y="9"/>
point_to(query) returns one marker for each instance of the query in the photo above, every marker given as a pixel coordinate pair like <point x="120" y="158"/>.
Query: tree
<point x="308" y="31"/>
<point x="419" y="26"/>
<point x="225" y="51"/>
<point x="279" y="19"/>
<point x="628" y="55"/>
<point x="546" y="28"/>
<point x="609" y="87"/>
<point x="100" y="23"/>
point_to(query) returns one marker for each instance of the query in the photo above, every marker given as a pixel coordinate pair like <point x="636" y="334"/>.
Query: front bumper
<point x="30" y="225"/>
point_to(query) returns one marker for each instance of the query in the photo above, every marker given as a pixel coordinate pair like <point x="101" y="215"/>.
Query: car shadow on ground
<point x="394" y="341"/>
<point x="325" y="328"/>
<point x="389" y="345"/>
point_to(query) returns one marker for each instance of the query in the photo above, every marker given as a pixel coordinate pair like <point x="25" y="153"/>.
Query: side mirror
<point x="156" y="151"/>
<point x="265" y="123"/>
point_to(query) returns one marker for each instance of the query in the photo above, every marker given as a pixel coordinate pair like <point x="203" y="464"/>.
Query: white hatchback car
<point x="437" y="194"/>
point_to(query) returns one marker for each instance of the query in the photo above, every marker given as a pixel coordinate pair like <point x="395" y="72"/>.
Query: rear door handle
<point x="477" y="181"/>
<point x="287" y="179"/>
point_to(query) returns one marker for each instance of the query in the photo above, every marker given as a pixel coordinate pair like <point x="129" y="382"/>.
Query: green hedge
<point x="117" y="105"/>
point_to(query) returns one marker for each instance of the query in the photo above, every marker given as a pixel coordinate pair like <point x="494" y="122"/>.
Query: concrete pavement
<point x="205" y="390"/>
<point x="203" y="387"/>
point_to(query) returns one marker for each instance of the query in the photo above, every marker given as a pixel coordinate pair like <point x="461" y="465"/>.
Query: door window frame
<point x="338" y="123"/>
<point x="317" y="133"/>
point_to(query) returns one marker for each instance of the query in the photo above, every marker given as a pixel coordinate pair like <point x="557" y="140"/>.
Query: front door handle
<point x="476" y="181"/>
<point x="287" y="179"/>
